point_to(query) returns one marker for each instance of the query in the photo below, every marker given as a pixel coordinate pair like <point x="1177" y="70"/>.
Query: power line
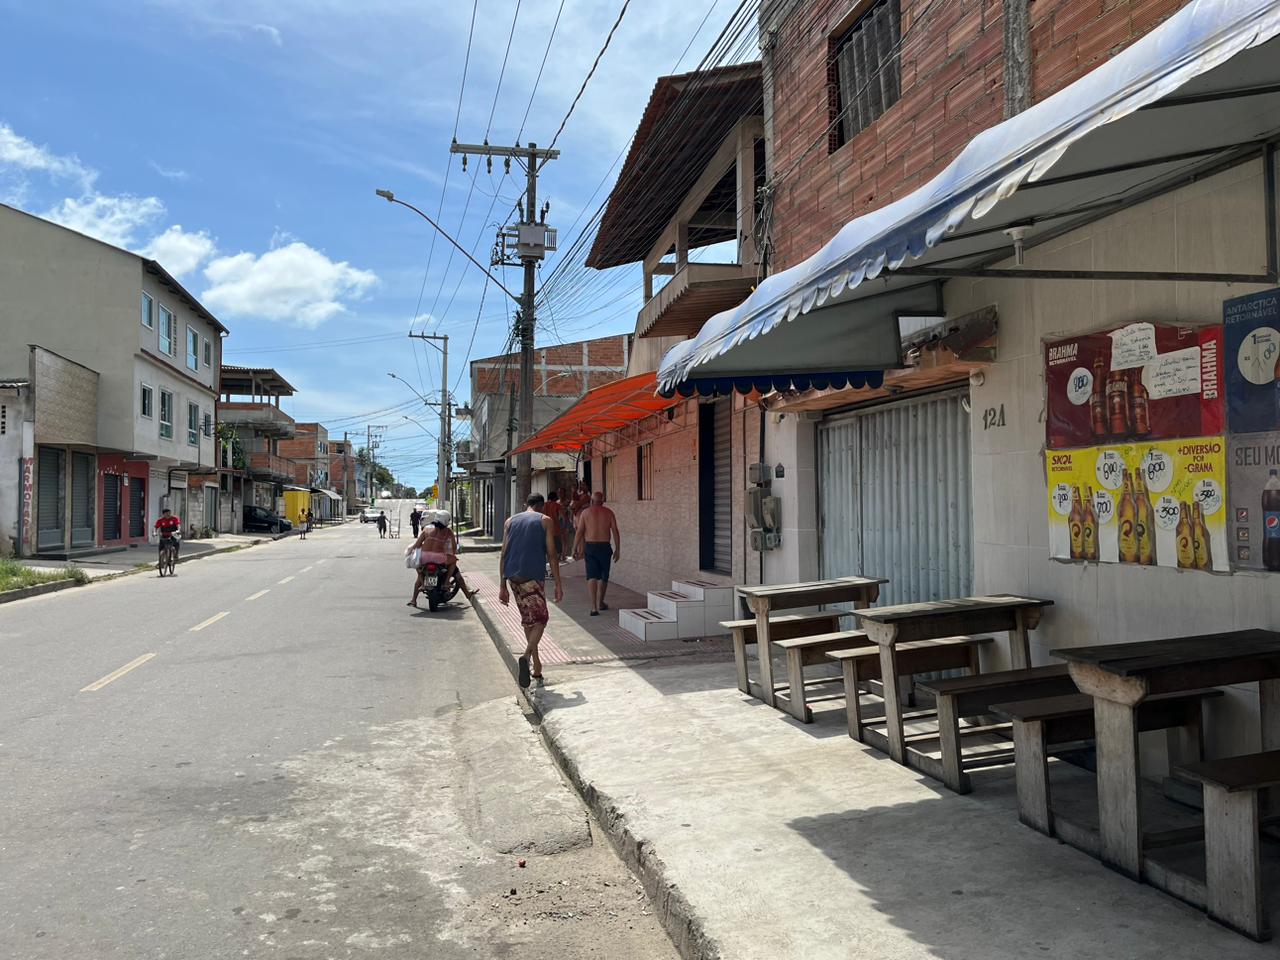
<point x="501" y="73"/>
<point x="533" y="93"/>
<point x="591" y="72"/>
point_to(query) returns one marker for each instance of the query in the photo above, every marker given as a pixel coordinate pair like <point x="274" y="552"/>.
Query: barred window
<point x="866" y="70"/>
<point x="644" y="471"/>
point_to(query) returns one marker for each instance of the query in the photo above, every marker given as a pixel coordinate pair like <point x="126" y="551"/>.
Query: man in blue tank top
<point x="528" y="545"/>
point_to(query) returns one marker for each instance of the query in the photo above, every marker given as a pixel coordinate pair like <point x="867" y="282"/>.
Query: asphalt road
<point x="269" y="755"/>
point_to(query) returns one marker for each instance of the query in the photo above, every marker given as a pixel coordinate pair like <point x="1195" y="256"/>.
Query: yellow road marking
<point x="256" y="595"/>
<point x="117" y="674"/>
<point x="285" y="580"/>
<point x="212" y="620"/>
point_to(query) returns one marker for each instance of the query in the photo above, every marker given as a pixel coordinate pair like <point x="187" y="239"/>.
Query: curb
<point x="677" y="916"/>
<point x="8" y="596"/>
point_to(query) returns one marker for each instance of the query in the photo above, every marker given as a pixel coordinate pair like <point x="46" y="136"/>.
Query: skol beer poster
<point x="1140" y="382"/>
<point x="1156" y="504"/>
<point x="1253" y="515"/>
<point x="1251" y="347"/>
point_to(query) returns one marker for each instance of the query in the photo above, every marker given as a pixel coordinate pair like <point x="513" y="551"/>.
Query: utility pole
<point x="532" y="241"/>
<point x="445" y="454"/>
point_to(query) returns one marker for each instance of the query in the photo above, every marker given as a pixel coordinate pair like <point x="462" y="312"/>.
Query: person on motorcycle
<point x="436" y="537"/>
<point x="166" y="527"/>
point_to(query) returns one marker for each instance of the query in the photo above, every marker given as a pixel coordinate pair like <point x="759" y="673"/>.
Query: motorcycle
<point x="438" y="584"/>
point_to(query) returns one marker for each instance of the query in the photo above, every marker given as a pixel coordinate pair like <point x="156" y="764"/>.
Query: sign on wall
<point x="1251" y="342"/>
<point x="1253" y="473"/>
<point x="1140" y="382"/>
<point x="1157" y="503"/>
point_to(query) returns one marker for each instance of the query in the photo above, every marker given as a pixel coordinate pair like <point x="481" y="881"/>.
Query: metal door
<point x="83" y="492"/>
<point x="722" y="458"/>
<point x="110" y="506"/>
<point x="137" y="506"/>
<point x="50" y="506"/>
<point x="894" y="498"/>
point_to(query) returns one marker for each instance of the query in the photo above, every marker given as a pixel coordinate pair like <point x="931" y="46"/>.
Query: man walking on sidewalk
<point x="597" y="526"/>
<point x="528" y="545"/>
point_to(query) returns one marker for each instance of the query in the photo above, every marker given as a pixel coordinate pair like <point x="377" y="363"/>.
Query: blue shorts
<point x="598" y="557"/>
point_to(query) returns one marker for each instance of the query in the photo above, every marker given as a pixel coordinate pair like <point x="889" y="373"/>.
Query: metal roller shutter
<point x="137" y="507"/>
<point x="82" y="493"/>
<point x="722" y="503"/>
<point x="895" y="500"/>
<point x="110" y="506"/>
<point x="49" y="504"/>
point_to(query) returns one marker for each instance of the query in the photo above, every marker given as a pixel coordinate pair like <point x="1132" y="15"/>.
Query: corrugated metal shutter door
<point x="49" y="506"/>
<point x="137" y="507"/>
<point x="82" y="492"/>
<point x="906" y="490"/>
<point x="110" y="507"/>
<point x="723" y="459"/>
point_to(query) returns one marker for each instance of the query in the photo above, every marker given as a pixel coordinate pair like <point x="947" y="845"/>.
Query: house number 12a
<point x="993" y="417"/>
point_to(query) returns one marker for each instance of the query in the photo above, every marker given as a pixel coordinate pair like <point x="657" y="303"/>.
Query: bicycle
<point x="168" y="556"/>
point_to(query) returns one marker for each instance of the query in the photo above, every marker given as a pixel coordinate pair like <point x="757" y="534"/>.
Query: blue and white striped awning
<point x="1113" y="137"/>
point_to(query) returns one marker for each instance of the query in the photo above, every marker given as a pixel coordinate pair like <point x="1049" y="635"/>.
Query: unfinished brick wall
<point x="563" y="370"/>
<point x="952" y="68"/>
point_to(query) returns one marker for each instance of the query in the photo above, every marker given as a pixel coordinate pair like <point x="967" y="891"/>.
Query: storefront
<point x="66" y="495"/>
<point x="122" y="500"/>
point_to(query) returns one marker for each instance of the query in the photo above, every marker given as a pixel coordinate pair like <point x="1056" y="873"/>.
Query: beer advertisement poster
<point x="1251" y="349"/>
<point x="1253" y="470"/>
<point x="1140" y="382"/>
<point x="1155" y="504"/>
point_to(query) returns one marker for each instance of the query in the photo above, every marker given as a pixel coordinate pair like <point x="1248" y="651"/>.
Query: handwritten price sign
<point x="1110" y="469"/>
<point x="1167" y="511"/>
<point x="1157" y="470"/>
<point x="1062" y="499"/>
<point x="1208" y="493"/>
<point x="1104" y="507"/>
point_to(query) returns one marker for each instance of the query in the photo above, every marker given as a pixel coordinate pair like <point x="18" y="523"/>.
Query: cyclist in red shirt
<point x="167" y="526"/>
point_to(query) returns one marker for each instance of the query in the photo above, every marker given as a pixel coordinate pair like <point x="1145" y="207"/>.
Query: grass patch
<point x="14" y="576"/>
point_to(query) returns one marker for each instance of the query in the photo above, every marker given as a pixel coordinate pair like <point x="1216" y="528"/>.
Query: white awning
<point x="331" y="494"/>
<point x="1114" y="137"/>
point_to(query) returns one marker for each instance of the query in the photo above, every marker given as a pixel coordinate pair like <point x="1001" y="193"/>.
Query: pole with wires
<point x="445" y="454"/>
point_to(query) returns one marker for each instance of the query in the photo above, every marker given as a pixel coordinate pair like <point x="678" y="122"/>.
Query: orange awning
<point x="602" y="410"/>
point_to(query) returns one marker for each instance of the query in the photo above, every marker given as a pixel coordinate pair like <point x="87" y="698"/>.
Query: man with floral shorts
<point x="528" y="546"/>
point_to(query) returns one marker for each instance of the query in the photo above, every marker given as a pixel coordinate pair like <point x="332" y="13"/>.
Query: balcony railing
<point x="692" y="296"/>
<point x="271" y="466"/>
<point x="264" y="419"/>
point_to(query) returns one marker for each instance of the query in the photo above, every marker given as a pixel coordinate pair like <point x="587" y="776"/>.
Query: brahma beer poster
<point x="1140" y="382"/>
<point x="1157" y="504"/>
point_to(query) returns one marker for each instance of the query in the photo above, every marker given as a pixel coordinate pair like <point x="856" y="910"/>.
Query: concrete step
<point x="686" y="611"/>
<point x="717" y="599"/>
<point x="647" y="624"/>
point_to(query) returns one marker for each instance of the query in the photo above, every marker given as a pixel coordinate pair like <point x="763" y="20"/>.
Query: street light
<point x="429" y="403"/>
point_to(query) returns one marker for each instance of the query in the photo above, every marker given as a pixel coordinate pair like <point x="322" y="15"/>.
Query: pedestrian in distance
<point x="415" y="521"/>
<point x="382" y="524"/>
<point x="599" y="544"/>
<point x="528" y="545"/>
<point x="304" y="524"/>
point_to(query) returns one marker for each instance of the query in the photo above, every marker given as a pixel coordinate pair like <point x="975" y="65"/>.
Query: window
<point x="866" y="74"/>
<point x="208" y="425"/>
<point x="644" y="471"/>
<point x="193" y="423"/>
<point x="148" y="311"/>
<point x="193" y="350"/>
<point x="168" y="331"/>
<point x="148" y="401"/>
<point x="208" y="353"/>
<point x="166" y="414"/>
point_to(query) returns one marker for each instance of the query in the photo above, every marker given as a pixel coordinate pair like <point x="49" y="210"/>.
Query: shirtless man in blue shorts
<point x="599" y="544"/>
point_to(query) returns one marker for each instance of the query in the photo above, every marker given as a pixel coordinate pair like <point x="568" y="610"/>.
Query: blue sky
<point x="240" y="142"/>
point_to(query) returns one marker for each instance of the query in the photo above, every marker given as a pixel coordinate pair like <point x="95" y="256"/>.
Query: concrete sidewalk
<point x="115" y="562"/>
<point x="759" y="837"/>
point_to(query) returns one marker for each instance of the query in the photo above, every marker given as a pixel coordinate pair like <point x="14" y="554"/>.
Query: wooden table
<point x="889" y="626"/>
<point x="860" y="591"/>
<point x="1121" y="676"/>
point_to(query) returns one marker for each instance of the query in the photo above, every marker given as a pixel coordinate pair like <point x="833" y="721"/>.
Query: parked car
<point x="369" y="515"/>
<point x="263" y="520"/>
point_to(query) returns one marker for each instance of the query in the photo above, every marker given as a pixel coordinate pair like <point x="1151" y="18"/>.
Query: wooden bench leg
<point x="953" y="774"/>
<point x="740" y="661"/>
<point x="1031" y="771"/>
<point x="892" y="704"/>
<point x="1119" y="809"/>
<point x="796" y="705"/>
<point x="852" y="699"/>
<point x="1233" y="869"/>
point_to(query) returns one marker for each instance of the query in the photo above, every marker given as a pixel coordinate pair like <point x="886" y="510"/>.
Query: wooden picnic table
<point x="1121" y="676"/>
<point x="889" y="626"/>
<point x="763" y="600"/>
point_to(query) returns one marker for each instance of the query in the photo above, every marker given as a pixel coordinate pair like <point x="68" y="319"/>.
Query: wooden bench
<point x="808" y="651"/>
<point x="861" y="664"/>
<point x="1054" y="721"/>
<point x="781" y="627"/>
<point x="970" y="696"/>
<point x="1232" y="850"/>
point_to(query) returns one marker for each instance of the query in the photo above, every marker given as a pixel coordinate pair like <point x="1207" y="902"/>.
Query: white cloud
<point x="169" y="173"/>
<point x="112" y="219"/>
<point x="180" y="251"/>
<point x="269" y="32"/>
<point x="19" y="153"/>
<point x="294" y="283"/>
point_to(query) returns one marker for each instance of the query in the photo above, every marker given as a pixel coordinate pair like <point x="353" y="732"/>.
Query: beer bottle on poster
<point x="1098" y="400"/>
<point x="1075" y="522"/>
<point x="1089" y="527"/>
<point x="1140" y="404"/>
<point x="1185" y="538"/>
<point x="1146" y="528"/>
<point x="1127" y="517"/>
<point x="1271" y="522"/>
<point x="1200" y="544"/>
<point x="1118" y="405"/>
